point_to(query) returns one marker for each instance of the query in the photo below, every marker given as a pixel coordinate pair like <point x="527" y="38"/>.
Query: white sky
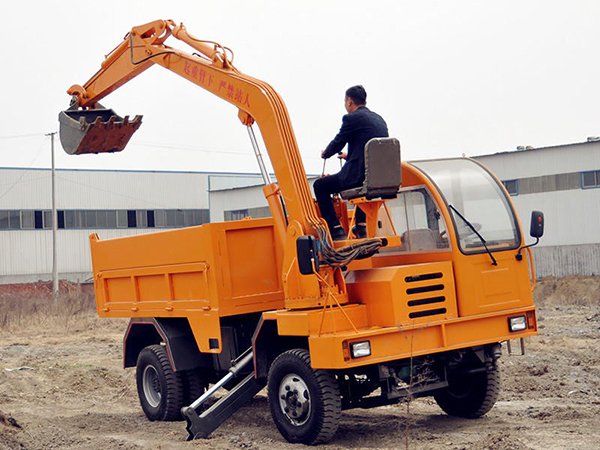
<point x="449" y="77"/>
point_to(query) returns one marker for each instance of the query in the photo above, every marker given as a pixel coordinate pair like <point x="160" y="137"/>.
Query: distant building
<point x="110" y="203"/>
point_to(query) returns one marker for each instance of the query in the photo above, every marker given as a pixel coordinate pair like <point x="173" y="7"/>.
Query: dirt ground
<point x="77" y="396"/>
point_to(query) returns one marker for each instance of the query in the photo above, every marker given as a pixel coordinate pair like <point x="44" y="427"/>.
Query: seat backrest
<point x="419" y="239"/>
<point x="383" y="174"/>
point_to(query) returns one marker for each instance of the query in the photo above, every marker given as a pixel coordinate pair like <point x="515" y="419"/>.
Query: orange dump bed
<point x="203" y="273"/>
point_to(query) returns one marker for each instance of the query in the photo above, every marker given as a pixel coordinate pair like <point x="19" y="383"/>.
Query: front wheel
<point x="305" y="402"/>
<point x="470" y="396"/>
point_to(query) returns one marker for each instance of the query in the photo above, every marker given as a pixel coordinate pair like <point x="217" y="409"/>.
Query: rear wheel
<point x="160" y="388"/>
<point x="194" y="385"/>
<point x="305" y="402"/>
<point x="470" y="396"/>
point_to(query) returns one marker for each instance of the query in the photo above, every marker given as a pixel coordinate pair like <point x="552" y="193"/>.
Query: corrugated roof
<point x="538" y="148"/>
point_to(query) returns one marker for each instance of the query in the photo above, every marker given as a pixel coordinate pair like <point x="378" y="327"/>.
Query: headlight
<point x="518" y="323"/>
<point x="360" y="349"/>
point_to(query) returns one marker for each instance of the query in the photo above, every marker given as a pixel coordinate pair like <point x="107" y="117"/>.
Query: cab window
<point x="415" y="217"/>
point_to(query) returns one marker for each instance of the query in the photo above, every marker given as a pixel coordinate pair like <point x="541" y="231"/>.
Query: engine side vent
<point x="431" y="312"/>
<point x="427" y="295"/>
<point x="427" y="301"/>
<point x="420" y="290"/>
<point x="423" y="277"/>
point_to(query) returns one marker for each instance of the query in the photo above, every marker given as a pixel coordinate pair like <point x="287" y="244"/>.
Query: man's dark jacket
<point x="357" y="129"/>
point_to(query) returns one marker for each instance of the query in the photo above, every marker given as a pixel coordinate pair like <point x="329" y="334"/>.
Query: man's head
<point x="355" y="96"/>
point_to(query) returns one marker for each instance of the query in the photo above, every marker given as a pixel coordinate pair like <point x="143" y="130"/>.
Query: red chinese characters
<point x="229" y="90"/>
<point x="198" y="73"/>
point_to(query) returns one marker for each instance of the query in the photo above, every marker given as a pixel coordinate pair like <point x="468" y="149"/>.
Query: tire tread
<point x="174" y="385"/>
<point x="328" y="390"/>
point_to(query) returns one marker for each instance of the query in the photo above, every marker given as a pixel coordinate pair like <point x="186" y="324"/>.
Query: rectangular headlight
<point x="360" y="349"/>
<point x="518" y="323"/>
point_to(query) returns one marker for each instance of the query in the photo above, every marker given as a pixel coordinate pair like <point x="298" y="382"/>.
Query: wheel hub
<point x="294" y="399"/>
<point x="151" y="384"/>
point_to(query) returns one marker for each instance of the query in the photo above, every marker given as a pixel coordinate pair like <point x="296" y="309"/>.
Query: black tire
<point x="194" y="385"/>
<point x="311" y="397"/>
<point x="470" y="396"/>
<point x="160" y="388"/>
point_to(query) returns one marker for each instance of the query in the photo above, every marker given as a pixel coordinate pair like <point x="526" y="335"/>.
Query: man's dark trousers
<point x="326" y="186"/>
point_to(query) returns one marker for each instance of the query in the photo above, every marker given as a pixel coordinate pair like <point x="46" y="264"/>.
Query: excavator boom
<point x="87" y="129"/>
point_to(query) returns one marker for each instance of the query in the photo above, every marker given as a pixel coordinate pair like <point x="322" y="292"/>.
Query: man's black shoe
<point x="338" y="234"/>
<point x="360" y="231"/>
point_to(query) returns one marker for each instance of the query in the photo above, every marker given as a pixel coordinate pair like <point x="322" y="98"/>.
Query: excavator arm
<point x="211" y="68"/>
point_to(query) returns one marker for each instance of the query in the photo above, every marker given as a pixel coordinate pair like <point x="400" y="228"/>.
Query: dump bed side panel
<point x="201" y="273"/>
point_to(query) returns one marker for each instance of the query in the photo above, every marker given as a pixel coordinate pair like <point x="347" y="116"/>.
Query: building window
<point x="47" y="219"/>
<point x="160" y="218"/>
<point x="512" y="186"/>
<point x="27" y="220"/>
<point x="90" y="219"/>
<point x="590" y="179"/>
<point x="111" y="219"/>
<point x="38" y="217"/>
<point x="236" y="214"/>
<point x="141" y="219"/>
<point x="122" y="219"/>
<point x="14" y="220"/>
<point x="150" y="218"/>
<point x="4" y="222"/>
<point x="201" y="216"/>
<point x="131" y="219"/>
<point x="61" y="219"/>
<point x="95" y="219"/>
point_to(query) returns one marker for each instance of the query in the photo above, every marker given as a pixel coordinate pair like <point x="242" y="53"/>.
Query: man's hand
<point x="342" y="155"/>
<point x="323" y="154"/>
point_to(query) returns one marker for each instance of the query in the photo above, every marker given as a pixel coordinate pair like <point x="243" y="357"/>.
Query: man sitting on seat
<point x="358" y="127"/>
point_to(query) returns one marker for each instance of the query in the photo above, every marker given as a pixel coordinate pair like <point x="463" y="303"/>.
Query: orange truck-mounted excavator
<point x="420" y="307"/>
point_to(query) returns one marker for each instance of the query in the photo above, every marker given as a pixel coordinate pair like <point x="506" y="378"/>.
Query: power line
<point x="200" y="149"/>
<point x="45" y="177"/>
<point x="112" y="192"/>
<point x="25" y="171"/>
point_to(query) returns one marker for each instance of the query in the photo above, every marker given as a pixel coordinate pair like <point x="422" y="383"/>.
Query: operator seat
<point x="383" y="175"/>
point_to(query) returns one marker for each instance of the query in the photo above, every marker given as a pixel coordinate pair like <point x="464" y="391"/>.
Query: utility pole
<point x="54" y="225"/>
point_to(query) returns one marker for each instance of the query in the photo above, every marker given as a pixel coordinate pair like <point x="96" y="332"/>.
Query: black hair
<point x="357" y="94"/>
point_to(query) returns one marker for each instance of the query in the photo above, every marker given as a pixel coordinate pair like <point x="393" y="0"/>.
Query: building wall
<point x="236" y="199"/>
<point x="95" y="189"/>
<point x="550" y="181"/>
<point x="544" y="161"/>
<point x="27" y="254"/>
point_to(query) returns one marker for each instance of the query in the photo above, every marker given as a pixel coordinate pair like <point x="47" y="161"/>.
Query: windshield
<point x="477" y="196"/>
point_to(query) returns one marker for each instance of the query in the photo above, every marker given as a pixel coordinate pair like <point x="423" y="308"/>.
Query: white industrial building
<point x="110" y="203"/>
<point x="562" y="181"/>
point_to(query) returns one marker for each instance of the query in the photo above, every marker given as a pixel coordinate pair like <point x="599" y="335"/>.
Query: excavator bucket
<point x="98" y="130"/>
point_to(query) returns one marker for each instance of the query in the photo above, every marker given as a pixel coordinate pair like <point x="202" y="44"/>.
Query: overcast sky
<point x="449" y="77"/>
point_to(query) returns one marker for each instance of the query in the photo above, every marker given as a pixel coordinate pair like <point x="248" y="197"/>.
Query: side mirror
<point x="307" y="249"/>
<point x="537" y="224"/>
